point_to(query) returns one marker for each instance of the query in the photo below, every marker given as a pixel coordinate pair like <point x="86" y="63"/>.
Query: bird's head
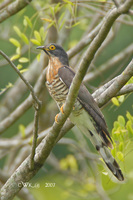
<point x="55" y="50"/>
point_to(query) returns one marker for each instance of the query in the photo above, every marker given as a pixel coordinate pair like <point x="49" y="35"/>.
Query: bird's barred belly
<point x="59" y="91"/>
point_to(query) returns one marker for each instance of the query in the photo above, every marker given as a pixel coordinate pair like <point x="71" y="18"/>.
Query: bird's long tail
<point x="100" y="139"/>
<point x="110" y="162"/>
<point x="105" y="153"/>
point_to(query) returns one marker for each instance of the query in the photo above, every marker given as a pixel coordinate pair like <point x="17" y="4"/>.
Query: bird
<point x="86" y="114"/>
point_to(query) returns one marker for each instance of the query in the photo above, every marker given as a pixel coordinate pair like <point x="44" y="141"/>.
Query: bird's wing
<point x="66" y="74"/>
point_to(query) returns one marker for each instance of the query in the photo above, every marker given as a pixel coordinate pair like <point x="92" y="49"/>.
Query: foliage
<point x="74" y="166"/>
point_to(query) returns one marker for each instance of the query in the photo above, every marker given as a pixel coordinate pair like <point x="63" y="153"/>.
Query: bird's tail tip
<point x="115" y="169"/>
<point x="111" y="163"/>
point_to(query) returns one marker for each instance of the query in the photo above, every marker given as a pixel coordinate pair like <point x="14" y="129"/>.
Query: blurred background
<point x="73" y="170"/>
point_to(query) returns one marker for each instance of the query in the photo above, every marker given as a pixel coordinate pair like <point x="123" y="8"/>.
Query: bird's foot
<point x="61" y="109"/>
<point x="56" y="119"/>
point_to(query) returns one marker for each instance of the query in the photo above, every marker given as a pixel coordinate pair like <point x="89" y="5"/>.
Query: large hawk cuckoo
<point x="86" y="114"/>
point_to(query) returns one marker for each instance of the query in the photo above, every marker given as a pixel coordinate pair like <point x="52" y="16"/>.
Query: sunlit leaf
<point x="38" y="56"/>
<point x="129" y="116"/>
<point x="61" y="17"/>
<point x="121" y="98"/>
<point x="23" y="60"/>
<point x="22" y="130"/>
<point x="27" y="19"/>
<point x="115" y="101"/>
<point x="52" y="10"/>
<point x="47" y="20"/>
<point x="129" y="127"/>
<point x="17" y="30"/>
<point x="57" y="7"/>
<point x="15" y="42"/>
<point x="121" y="120"/>
<point x="34" y="41"/>
<point x="24" y="38"/>
<point x="19" y="66"/>
<point x="37" y="36"/>
<point x="15" y="57"/>
<point x="23" y="70"/>
<point x="51" y="24"/>
<point x="42" y="33"/>
<point x="61" y="25"/>
<point x="77" y="23"/>
<point x="63" y="164"/>
<point x="68" y="2"/>
<point x="120" y="156"/>
<point x="121" y="146"/>
<point x="18" y="50"/>
<point x="72" y="162"/>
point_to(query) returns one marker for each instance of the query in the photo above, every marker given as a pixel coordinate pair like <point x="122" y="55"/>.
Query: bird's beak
<point x="44" y="48"/>
<point x="40" y="47"/>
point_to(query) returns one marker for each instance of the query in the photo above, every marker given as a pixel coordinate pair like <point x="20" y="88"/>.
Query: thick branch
<point x="12" y="9"/>
<point x="117" y="85"/>
<point x="23" y="173"/>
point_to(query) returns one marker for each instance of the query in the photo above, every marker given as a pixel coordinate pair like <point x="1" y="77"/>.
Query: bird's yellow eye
<point x="52" y="47"/>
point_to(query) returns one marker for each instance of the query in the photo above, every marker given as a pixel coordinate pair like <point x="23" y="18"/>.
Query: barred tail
<point x="110" y="161"/>
<point x="100" y="139"/>
<point x="105" y="153"/>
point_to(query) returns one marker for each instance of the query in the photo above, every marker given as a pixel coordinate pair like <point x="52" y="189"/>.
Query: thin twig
<point x="116" y="3"/>
<point x="23" y="173"/>
<point x="37" y="106"/>
<point x="34" y="143"/>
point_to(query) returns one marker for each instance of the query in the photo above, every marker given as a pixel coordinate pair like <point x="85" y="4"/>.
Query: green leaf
<point x="52" y="10"/>
<point x="42" y="33"/>
<point x="23" y="60"/>
<point x="17" y="30"/>
<point x="22" y="130"/>
<point x="37" y="36"/>
<point x="28" y="21"/>
<point x="18" y="50"/>
<point x="121" y="120"/>
<point x="47" y="20"/>
<point x="63" y="164"/>
<point x="77" y="23"/>
<point x="120" y="156"/>
<point x="63" y="22"/>
<point x="129" y="127"/>
<point x="9" y="85"/>
<point x="121" y="146"/>
<point x="115" y="101"/>
<point x="129" y="116"/>
<point x="72" y="162"/>
<point x="38" y="56"/>
<point x="23" y="70"/>
<point x="61" y="17"/>
<point x="121" y="98"/>
<point x="51" y="24"/>
<point x="19" y="66"/>
<point x="113" y="152"/>
<point x="24" y="38"/>
<point x="15" y="57"/>
<point x="34" y="41"/>
<point x="68" y="2"/>
<point x="14" y="42"/>
<point x="57" y="7"/>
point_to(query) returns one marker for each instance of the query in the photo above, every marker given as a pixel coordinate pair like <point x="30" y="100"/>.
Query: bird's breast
<point x="53" y="67"/>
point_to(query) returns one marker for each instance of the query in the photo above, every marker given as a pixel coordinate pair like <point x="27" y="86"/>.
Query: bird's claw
<point x="61" y="109"/>
<point x="56" y="119"/>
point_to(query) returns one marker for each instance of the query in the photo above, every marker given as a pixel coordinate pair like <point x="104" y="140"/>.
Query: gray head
<point x="55" y="50"/>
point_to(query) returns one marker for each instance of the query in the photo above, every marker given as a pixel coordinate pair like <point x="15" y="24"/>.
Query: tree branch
<point x="24" y="173"/>
<point x="116" y="85"/>
<point x="12" y="9"/>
